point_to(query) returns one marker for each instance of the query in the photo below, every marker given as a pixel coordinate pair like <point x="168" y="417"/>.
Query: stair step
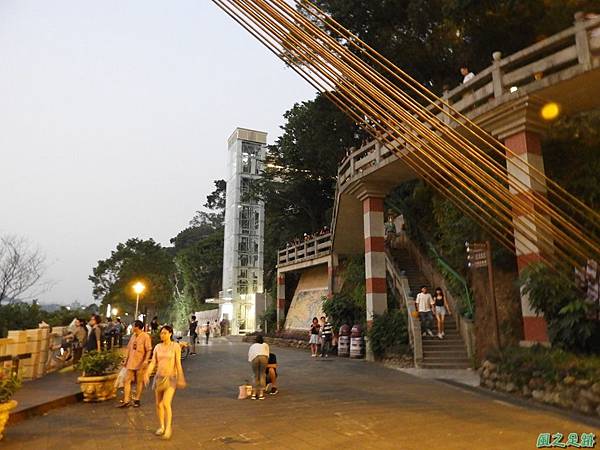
<point x="448" y="347"/>
<point x="425" y="365"/>
<point x="446" y="360"/>
<point x="445" y="352"/>
<point x="441" y="345"/>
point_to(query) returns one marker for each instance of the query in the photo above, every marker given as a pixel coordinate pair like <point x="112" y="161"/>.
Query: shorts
<point x="161" y="383"/>
<point x="440" y="311"/>
<point x="314" y="339"/>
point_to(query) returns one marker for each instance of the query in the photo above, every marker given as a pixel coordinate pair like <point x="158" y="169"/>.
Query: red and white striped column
<point x="280" y="299"/>
<point x="374" y="256"/>
<point x="527" y="149"/>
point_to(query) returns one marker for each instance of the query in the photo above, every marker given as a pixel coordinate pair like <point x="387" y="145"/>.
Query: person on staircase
<point x="441" y="308"/>
<point x="424" y="305"/>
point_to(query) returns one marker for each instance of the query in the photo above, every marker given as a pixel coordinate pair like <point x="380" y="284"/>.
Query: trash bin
<point x="357" y="343"/>
<point x="344" y="341"/>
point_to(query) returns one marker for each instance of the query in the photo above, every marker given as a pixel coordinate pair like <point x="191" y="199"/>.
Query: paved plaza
<point x="333" y="403"/>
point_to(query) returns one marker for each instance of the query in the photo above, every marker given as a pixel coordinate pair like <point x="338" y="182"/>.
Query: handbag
<point x="243" y="393"/>
<point x="120" y="380"/>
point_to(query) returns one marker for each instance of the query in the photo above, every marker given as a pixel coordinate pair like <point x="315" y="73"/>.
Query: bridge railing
<point x="306" y="250"/>
<point x="571" y="51"/>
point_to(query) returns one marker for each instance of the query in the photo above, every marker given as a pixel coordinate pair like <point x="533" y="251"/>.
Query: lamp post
<point x="138" y="289"/>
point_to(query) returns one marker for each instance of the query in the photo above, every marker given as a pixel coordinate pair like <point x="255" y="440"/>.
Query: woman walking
<point x="314" y="336"/>
<point x="169" y="376"/>
<point x="258" y="357"/>
<point x="441" y="309"/>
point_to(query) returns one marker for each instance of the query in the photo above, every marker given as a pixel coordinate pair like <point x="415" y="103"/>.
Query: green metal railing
<point x="444" y="264"/>
<point x="458" y="277"/>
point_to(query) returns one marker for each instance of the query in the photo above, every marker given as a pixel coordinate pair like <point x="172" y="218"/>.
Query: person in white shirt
<point x="466" y="73"/>
<point x="424" y="305"/>
<point x="258" y="357"/>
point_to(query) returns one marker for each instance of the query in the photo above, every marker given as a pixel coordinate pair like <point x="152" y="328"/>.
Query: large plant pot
<point x="5" y="409"/>
<point x="98" y="389"/>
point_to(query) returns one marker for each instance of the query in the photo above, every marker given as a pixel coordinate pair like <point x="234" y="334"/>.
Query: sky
<point x="114" y="119"/>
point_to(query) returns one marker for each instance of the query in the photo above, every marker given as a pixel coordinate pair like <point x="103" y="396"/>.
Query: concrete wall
<point x="308" y="298"/>
<point x="39" y="342"/>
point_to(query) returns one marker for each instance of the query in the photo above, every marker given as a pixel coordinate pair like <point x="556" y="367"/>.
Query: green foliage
<point x="96" y="363"/>
<point x="23" y="316"/>
<point x="135" y="260"/>
<point x="430" y="39"/>
<point x="389" y="333"/>
<point x="565" y="309"/>
<point x="9" y="384"/>
<point x="343" y="309"/>
<point x="551" y="365"/>
<point x="199" y="254"/>
<point x="269" y="318"/>
<point x="299" y="180"/>
<point x="200" y="266"/>
<point x="349" y="305"/>
<point x="572" y="157"/>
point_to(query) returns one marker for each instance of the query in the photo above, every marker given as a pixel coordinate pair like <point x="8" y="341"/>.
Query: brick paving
<point x="335" y="403"/>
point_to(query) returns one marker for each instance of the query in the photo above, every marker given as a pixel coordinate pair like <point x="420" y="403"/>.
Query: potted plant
<point x="9" y="383"/>
<point x="99" y="372"/>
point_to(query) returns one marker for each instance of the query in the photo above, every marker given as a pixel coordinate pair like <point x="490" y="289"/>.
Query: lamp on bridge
<point x="138" y="288"/>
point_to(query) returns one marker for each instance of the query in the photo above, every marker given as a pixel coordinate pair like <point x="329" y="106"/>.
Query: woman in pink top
<point x="169" y="376"/>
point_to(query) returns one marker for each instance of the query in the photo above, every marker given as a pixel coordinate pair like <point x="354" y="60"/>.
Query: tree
<point x="21" y="267"/>
<point x="198" y="256"/>
<point x="430" y="39"/>
<point x="135" y="260"/>
<point x="298" y="184"/>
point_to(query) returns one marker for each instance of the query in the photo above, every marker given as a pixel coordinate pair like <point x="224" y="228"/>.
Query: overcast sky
<point x="114" y="117"/>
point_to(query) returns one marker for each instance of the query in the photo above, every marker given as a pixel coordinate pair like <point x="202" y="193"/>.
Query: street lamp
<point x="138" y="288"/>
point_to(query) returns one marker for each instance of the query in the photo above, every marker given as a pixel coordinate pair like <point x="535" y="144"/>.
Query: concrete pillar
<point x="280" y="299"/>
<point x="332" y="267"/>
<point x="526" y="146"/>
<point x="374" y="256"/>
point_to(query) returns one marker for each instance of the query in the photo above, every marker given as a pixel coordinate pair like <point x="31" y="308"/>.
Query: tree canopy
<point x="431" y="39"/>
<point x="132" y="261"/>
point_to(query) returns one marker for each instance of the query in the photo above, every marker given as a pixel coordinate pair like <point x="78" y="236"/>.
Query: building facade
<point x="242" y="298"/>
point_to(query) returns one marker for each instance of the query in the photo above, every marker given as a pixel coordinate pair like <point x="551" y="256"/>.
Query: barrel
<point x="357" y="347"/>
<point x="344" y="346"/>
<point x="356" y="331"/>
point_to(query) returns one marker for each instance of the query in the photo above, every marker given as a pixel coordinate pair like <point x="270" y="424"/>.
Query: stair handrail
<point x="414" y="325"/>
<point x="440" y="259"/>
<point x="458" y="277"/>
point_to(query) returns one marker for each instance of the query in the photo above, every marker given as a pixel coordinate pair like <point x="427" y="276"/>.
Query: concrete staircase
<point x="447" y="353"/>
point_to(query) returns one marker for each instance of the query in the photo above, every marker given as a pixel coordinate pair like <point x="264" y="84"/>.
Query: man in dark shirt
<point x="326" y="337"/>
<point x="193" y="334"/>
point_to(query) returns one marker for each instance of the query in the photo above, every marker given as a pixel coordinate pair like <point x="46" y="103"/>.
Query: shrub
<point x="564" y="306"/>
<point x="551" y="365"/>
<point x="99" y="363"/>
<point x="9" y="384"/>
<point x="389" y="334"/>
<point x="269" y="318"/>
<point x="343" y="309"/>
